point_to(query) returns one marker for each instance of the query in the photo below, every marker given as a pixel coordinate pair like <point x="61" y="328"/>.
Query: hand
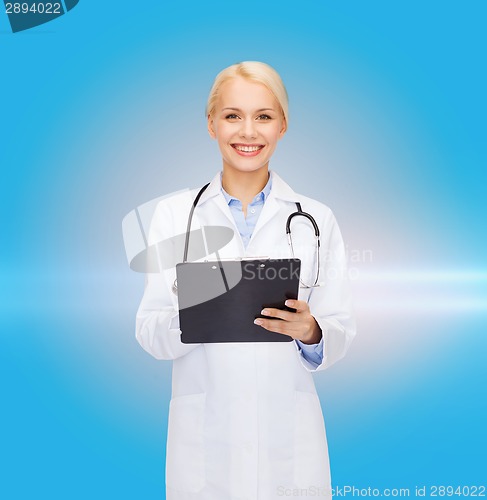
<point x="299" y="325"/>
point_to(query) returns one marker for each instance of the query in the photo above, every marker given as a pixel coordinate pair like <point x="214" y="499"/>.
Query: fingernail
<point x="265" y="312"/>
<point x="289" y="303"/>
<point x="258" y="321"/>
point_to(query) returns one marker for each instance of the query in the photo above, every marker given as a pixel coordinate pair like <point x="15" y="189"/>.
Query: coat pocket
<point x="185" y="457"/>
<point x="311" y="463"/>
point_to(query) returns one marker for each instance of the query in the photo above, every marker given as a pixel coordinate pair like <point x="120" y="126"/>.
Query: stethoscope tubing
<point x="288" y="233"/>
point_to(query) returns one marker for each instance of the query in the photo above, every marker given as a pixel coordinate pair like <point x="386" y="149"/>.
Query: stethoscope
<point x="288" y="234"/>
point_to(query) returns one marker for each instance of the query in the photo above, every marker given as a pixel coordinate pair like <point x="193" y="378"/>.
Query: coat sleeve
<point x="157" y="320"/>
<point x="331" y="303"/>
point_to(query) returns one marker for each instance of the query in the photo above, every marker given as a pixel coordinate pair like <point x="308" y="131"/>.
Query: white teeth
<point x="247" y="149"/>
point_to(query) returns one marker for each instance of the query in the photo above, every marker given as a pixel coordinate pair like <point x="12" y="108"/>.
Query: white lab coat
<point x="245" y="421"/>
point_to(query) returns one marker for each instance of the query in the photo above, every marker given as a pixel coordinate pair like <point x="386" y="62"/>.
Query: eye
<point x="264" y="117"/>
<point x="232" y="116"/>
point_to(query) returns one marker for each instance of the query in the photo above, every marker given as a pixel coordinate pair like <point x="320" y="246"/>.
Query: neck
<point x="244" y="185"/>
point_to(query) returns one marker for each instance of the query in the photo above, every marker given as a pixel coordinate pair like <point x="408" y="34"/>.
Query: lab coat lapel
<point x="214" y="191"/>
<point x="269" y="210"/>
<point x="213" y="205"/>
<point x="279" y="191"/>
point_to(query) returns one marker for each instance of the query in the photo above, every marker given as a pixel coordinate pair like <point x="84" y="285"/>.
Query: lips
<point x="247" y="149"/>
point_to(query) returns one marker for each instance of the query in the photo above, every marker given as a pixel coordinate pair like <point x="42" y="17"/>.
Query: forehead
<point x="246" y="95"/>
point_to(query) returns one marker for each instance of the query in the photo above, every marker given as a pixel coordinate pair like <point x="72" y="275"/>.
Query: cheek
<point x="224" y="134"/>
<point x="273" y="138"/>
<point x="276" y="131"/>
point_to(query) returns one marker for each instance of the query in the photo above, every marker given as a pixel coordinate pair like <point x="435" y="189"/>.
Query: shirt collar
<point x="262" y="195"/>
<point x="280" y="189"/>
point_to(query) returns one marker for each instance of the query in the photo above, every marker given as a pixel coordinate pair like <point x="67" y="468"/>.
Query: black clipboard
<point x="219" y="300"/>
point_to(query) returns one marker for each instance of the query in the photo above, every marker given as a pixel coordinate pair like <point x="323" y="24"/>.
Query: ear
<point x="211" y="128"/>
<point x="283" y="129"/>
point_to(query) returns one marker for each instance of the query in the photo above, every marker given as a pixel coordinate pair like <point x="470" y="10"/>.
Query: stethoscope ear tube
<point x="304" y="214"/>
<point x="190" y="219"/>
<point x="317" y="235"/>
<point x="188" y="231"/>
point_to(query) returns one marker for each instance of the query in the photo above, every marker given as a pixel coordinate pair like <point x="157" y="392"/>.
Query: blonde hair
<point x="254" y="71"/>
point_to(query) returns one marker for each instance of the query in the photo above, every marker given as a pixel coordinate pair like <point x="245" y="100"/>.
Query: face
<point x="247" y="123"/>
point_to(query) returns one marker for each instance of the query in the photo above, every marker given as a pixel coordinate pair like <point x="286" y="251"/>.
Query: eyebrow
<point x="258" y="111"/>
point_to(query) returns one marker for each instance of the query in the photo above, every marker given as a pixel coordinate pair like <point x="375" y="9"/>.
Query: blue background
<point x="103" y="110"/>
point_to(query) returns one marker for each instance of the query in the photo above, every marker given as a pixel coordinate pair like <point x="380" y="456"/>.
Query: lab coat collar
<point x="280" y="189"/>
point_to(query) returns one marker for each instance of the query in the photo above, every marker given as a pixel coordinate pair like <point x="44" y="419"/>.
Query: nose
<point x="248" y="130"/>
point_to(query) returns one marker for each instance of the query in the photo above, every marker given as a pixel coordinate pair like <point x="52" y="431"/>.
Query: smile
<point x="247" y="150"/>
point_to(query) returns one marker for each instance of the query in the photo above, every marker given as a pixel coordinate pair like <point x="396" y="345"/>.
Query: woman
<point x="245" y="420"/>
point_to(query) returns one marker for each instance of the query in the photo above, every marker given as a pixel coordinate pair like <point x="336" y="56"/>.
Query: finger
<point x="299" y="305"/>
<point x="274" y="325"/>
<point x="279" y="313"/>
